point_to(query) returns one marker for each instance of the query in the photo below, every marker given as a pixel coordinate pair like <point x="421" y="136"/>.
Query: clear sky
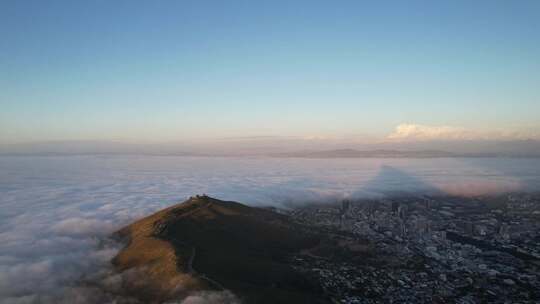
<point x="173" y="70"/>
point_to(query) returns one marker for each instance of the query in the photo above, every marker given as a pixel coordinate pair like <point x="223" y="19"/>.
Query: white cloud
<point x="82" y="226"/>
<point x="423" y="132"/>
<point x="56" y="211"/>
<point x="418" y="132"/>
<point x="211" y="297"/>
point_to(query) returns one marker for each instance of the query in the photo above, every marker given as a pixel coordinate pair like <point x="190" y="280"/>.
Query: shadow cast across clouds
<point x="391" y="181"/>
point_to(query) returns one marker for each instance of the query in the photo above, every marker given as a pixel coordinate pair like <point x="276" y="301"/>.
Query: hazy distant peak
<point x="352" y="153"/>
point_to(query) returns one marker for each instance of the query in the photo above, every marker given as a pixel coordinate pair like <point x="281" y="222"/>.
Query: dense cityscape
<point x="427" y="249"/>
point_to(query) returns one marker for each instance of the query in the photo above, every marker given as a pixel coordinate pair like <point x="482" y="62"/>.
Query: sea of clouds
<point x="57" y="212"/>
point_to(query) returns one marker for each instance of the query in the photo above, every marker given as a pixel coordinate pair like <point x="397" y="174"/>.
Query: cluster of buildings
<point x="429" y="249"/>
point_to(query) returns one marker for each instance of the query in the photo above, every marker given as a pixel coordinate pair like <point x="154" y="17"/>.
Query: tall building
<point x="395" y="207"/>
<point x="345" y="206"/>
<point x="504" y="231"/>
<point x="402" y="211"/>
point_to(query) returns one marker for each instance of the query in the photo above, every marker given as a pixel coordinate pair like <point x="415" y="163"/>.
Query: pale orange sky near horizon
<point x="186" y="70"/>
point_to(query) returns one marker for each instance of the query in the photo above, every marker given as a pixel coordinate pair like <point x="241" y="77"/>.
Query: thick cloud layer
<point x="423" y="132"/>
<point x="56" y="212"/>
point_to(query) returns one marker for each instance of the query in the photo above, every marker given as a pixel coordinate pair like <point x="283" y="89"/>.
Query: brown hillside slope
<point x="205" y="243"/>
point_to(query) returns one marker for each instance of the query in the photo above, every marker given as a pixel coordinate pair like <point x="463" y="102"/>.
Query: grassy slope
<point x="242" y="248"/>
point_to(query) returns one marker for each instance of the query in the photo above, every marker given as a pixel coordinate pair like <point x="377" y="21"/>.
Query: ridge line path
<point x="193" y="271"/>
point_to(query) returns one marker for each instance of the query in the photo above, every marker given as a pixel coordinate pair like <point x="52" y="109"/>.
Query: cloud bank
<point x="56" y="212"/>
<point x="418" y="132"/>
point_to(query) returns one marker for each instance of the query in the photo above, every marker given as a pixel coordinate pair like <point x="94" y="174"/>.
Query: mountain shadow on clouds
<point x="391" y="181"/>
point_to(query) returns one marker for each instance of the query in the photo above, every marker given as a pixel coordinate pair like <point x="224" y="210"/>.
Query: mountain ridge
<point x="381" y="153"/>
<point x="208" y="244"/>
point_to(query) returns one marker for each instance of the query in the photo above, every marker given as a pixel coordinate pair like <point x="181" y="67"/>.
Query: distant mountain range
<point x="290" y="148"/>
<point x="352" y="153"/>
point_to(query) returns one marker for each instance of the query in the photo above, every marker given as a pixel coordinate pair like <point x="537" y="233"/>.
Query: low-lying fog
<point x="55" y="211"/>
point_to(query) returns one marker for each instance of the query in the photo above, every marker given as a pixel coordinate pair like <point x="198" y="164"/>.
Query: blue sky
<point x="177" y="70"/>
